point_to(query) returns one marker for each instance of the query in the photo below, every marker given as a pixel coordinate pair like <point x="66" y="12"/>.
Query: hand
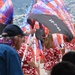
<point x="32" y="63"/>
<point x="31" y="41"/>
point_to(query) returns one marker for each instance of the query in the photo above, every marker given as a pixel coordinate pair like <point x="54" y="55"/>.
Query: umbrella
<point x="53" y="23"/>
<point x="6" y="11"/>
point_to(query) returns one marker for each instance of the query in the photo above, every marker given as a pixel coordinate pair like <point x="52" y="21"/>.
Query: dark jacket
<point x="10" y="63"/>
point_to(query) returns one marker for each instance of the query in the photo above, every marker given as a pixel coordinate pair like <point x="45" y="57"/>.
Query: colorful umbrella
<point x="54" y="7"/>
<point x="53" y="23"/>
<point x="6" y="11"/>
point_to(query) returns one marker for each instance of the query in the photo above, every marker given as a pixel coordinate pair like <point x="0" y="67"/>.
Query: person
<point x="63" y="68"/>
<point x="52" y="54"/>
<point x="29" y="66"/>
<point x="10" y="41"/>
<point x="59" y="41"/>
<point x="69" y="57"/>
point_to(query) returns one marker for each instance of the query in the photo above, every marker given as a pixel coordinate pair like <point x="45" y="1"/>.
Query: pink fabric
<point x="6" y="41"/>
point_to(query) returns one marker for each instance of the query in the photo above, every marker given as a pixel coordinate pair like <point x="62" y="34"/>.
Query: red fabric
<point x="29" y="57"/>
<point x="70" y="45"/>
<point x="36" y="26"/>
<point x="1" y="3"/>
<point x="46" y="30"/>
<point x="52" y="56"/>
<point x="39" y="54"/>
<point x="59" y="39"/>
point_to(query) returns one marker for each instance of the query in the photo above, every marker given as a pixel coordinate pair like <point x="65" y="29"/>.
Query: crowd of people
<point x="13" y="37"/>
<point x="20" y="52"/>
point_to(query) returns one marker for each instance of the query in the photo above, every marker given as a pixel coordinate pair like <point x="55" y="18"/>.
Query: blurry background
<point x="20" y="7"/>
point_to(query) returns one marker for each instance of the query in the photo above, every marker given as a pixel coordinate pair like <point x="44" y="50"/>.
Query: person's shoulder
<point x="7" y="48"/>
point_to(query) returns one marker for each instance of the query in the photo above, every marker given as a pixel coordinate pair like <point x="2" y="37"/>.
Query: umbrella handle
<point x="24" y="55"/>
<point x="35" y="47"/>
<point x="26" y="49"/>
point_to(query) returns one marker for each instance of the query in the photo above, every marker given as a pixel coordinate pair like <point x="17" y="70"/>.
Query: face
<point x="18" y="41"/>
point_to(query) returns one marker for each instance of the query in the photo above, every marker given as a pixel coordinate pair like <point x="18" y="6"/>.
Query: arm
<point x="33" y="64"/>
<point x="30" y="59"/>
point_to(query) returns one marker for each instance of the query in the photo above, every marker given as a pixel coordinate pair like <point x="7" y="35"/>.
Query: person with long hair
<point x="52" y="54"/>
